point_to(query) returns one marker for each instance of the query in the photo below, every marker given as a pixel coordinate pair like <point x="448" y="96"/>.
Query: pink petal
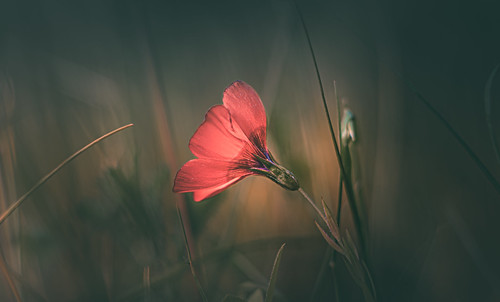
<point x="207" y="177"/>
<point x="199" y="195"/>
<point x="246" y="110"/>
<point x="217" y="137"/>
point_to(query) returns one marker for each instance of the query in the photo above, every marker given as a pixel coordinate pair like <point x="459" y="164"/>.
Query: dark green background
<point x="70" y="71"/>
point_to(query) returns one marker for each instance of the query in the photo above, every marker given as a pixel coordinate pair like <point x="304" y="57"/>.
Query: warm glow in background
<point x="69" y="72"/>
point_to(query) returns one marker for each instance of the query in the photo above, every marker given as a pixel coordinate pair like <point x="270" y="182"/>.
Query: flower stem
<point x="311" y="202"/>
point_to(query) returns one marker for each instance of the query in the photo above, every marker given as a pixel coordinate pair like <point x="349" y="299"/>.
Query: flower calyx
<point x="277" y="173"/>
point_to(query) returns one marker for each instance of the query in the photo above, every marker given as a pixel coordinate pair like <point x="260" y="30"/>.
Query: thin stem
<point x="489" y="176"/>
<point x="340" y="188"/>
<point x="339" y="204"/>
<point x="16" y="204"/>
<point x="193" y="272"/>
<point x="274" y="274"/>
<point x="339" y="129"/>
<point x="487" y="111"/>
<point x="347" y="183"/>
<point x="311" y="202"/>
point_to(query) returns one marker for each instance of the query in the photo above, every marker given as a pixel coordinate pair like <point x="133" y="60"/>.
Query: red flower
<point x="231" y="145"/>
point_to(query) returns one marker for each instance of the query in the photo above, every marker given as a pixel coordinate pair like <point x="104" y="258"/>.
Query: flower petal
<point x="247" y="111"/>
<point x="217" y="137"/>
<point x="207" y="177"/>
<point x="199" y="195"/>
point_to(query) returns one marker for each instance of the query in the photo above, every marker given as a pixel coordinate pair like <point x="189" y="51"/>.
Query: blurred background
<point x="106" y="228"/>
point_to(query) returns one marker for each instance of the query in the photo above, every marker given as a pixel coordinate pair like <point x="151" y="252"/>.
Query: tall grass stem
<point x="489" y="176"/>
<point x="487" y="111"/>
<point x="347" y="183"/>
<point x="188" y="251"/>
<point x="16" y="204"/>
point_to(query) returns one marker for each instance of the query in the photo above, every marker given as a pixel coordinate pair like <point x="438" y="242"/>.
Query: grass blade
<point x="188" y="251"/>
<point x="274" y="274"/>
<point x="347" y="183"/>
<point x="460" y="140"/>
<point x="339" y="129"/>
<point x="487" y="110"/>
<point x="332" y="224"/>
<point x="340" y="186"/>
<point x="329" y="240"/>
<point x="16" y="204"/>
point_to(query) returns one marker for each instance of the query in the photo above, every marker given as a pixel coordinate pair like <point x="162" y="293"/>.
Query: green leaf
<point x="329" y="240"/>
<point x="274" y="273"/>
<point x="332" y="224"/>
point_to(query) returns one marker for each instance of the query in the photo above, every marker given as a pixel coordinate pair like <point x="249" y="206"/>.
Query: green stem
<point x="311" y="202"/>
<point x="347" y="183"/>
<point x="193" y="271"/>
<point x="486" y="172"/>
<point x="16" y="204"/>
<point x="339" y="196"/>
<point x="487" y="111"/>
<point x="339" y="129"/>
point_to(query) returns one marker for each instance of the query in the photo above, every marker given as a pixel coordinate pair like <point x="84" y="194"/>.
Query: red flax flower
<point x="231" y="145"/>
